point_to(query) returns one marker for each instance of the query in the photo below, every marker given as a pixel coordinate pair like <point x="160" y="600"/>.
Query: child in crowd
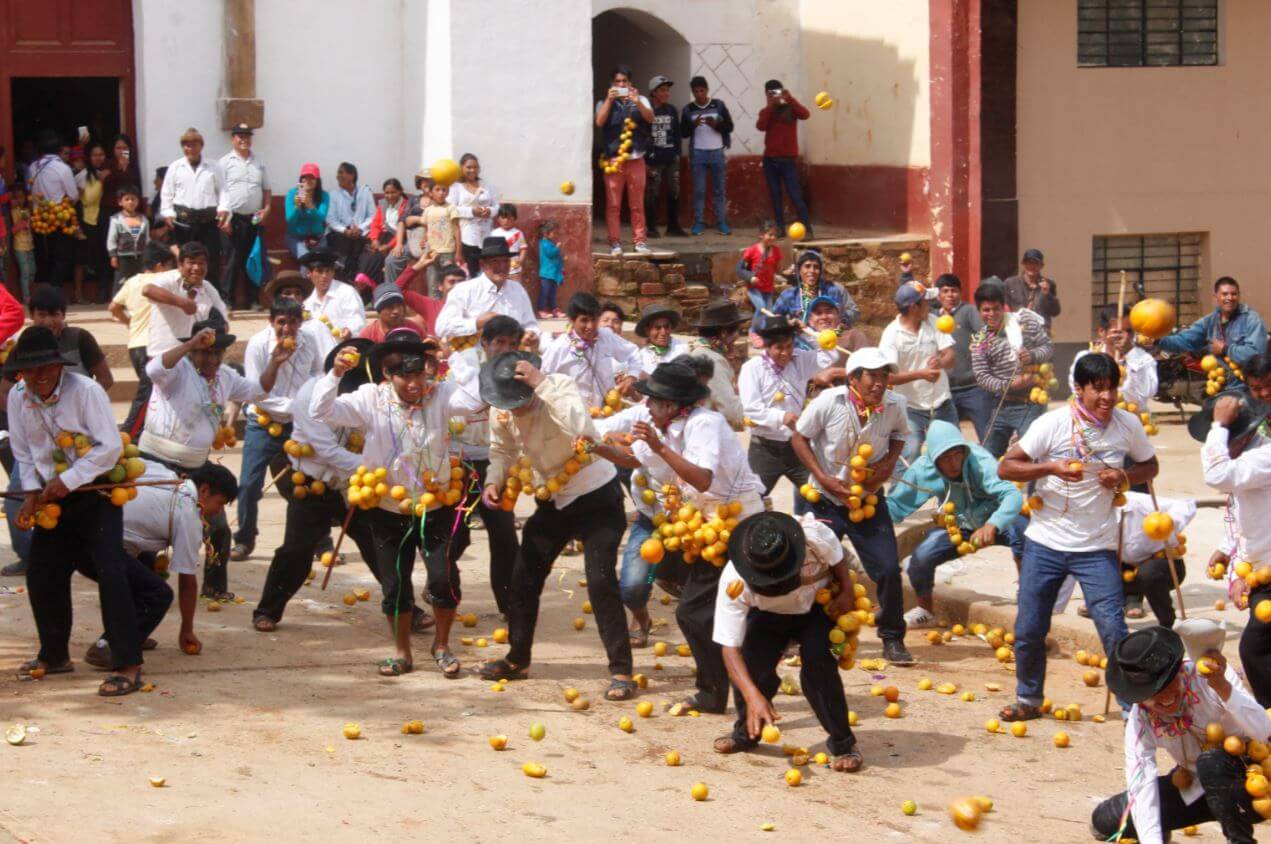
<point x="612" y="317"/>
<point x="441" y="219"/>
<point x="505" y="227"/>
<point x="550" y="270"/>
<point x="757" y="268"/>
<point x="23" y="241"/>
<point x="127" y="236"/>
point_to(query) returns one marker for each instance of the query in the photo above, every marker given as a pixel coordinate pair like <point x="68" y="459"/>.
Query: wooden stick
<point x="1169" y="558"/>
<point x="335" y="552"/>
<point x="284" y="470"/>
<point x="22" y="493"/>
<point x="1121" y="300"/>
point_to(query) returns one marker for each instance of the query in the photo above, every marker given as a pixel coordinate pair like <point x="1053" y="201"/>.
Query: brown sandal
<point x="264" y="624"/>
<point x="728" y="745"/>
<point x="848" y="763"/>
<point x="1020" y="712"/>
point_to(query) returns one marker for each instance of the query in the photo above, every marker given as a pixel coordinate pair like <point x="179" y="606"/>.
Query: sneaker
<point x="616" y="250"/>
<point x="241" y="551"/>
<point x="643" y="248"/>
<point x="895" y="652"/>
<point x="17" y="569"/>
<point x="724" y="229"/>
<point x="918" y="618"/>
<point x="698" y="228"/>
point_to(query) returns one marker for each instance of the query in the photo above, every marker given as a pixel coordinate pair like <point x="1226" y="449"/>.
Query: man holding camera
<point x="778" y="121"/>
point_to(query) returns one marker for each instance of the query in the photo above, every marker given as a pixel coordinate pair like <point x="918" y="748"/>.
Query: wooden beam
<point x="240" y="105"/>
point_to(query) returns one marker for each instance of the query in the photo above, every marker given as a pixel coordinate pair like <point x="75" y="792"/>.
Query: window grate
<point x="1157" y="266"/>
<point x="1147" y="33"/>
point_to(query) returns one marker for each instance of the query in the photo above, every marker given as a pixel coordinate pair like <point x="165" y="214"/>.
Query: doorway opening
<point x="64" y="104"/>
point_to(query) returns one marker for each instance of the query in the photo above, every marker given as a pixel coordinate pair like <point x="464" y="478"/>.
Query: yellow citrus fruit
<point x="352" y="732"/>
<point x="1061" y="739"/>
<point x="794" y="777"/>
<point x="771" y="733"/>
<point x="699" y="791"/>
<point x="1019" y="729"/>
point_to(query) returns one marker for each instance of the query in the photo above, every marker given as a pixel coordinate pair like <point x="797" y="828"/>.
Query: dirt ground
<point x="248" y="735"/>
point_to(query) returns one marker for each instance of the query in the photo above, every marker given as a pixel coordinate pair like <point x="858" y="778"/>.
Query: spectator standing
<point x="243" y="208"/>
<point x="349" y="215"/>
<point x="969" y="401"/>
<point x="193" y="189"/>
<point x="306" y="210"/>
<point x="1030" y="289"/>
<point x="52" y="180"/>
<point x="127" y="234"/>
<point x="778" y="121"/>
<point x="121" y="171"/>
<point x="551" y="270"/>
<point x="442" y="231"/>
<point x="663" y="164"/>
<point x="23" y="239"/>
<point x="622" y="102"/>
<point x="709" y="127"/>
<point x="922" y="354"/>
<point x="505" y="227"/>
<point x="90" y="250"/>
<point x="474" y="204"/>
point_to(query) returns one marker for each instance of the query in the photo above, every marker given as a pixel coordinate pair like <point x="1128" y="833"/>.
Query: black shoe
<point x="17" y="569"/>
<point x="652" y="232"/>
<point x="241" y="551"/>
<point x="895" y="652"/>
<point x="676" y="232"/>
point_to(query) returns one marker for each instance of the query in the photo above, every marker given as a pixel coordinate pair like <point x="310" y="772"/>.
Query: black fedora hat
<point x="495" y="247"/>
<point x="37" y="346"/>
<point x="768" y="549"/>
<point x="776" y="325"/>
<point x="223" y="339"/>
<point x="320" y="257"/>
<point x="408" y="344"/>
<point x="1248" y="418"/>
<point x="674" y="381"/>
<point x="364" y="373"/>
<point x="652" y="312"/>
<point x="499" y="385"/>
<point x="1143" y="663"/>
<point x="287" y="278"/>
<point x="719" y="313"/>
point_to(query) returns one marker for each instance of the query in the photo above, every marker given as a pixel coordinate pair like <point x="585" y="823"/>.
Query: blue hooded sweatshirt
<point x="979" y="496"/>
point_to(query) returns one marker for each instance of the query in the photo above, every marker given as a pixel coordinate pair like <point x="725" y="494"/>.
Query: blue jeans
<point x="936" y="549"/>
<point x="919" y="420"/>
<point x="19" y="540"/>
<point x="547" y="288"/>
<point x="875" y="543"/>
<point x="973" y="403"/>
<point x="712" y="160"/>
<point x="776" y="172"/>
<point x="759" y="301"/>
<point x="1040" y="577"/>
<point x="258" y="449"/>
<point x="1015" y="417"/>
<point x="633" y="580"/>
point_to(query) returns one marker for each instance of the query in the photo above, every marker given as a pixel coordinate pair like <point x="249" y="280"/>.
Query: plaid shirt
<point x="995" y="361"/>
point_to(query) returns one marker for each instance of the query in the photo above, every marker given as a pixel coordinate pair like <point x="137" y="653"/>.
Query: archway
<point x="646" y="44"/>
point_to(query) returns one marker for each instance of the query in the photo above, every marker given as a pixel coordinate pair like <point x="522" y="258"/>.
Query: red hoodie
<point x="781" y="133"/>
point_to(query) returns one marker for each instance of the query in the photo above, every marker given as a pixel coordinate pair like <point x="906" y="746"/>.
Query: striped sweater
<point x="994" y="358"/>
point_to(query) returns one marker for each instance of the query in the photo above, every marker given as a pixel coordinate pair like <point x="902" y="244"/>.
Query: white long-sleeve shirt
<point x="723" y="386"/>
<point x="1140" y="381"/>
<point x="169" y="325"/>
<point x="343" y="308"/>
<point x="404" y="440"/>
<point x="305" y="363"/>
<point x="186" y="409"/>
<point x="474" y="297"/>
<point x="472" y="229"/>
<point x="332" y="462"/>
<point x="1247" y="479"/>
<point x="78" y="405"/>
<point x="759" y="383"/>
<point x="166" y="516"/>
<point x="191" y="187"/>
<point x="647" y="357"/>
<point x="1137" y="546"/>
<point x="592" y="368"/>
<point x="1240" y="715"/>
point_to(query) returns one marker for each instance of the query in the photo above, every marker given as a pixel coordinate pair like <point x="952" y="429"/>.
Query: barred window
<point x="1157" y="266"/>
<point x="1147" y="33"/>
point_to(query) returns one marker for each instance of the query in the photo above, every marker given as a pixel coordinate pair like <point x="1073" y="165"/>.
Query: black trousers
<point x="208" y="234"/>
<point x="772" y="460"/>
<point x="348" y="250"/>
<point x="696" y="617"/>
<point x="1153" y="582"/>
<point x="596" y="518"/>
<point x="242" y="237"/>
<point x="54" y="258"/>
<point x="141" y="399"/>
<point x="308" y="523"/>
<point x="874" y="540"/>
<point x="396" y="539"/>
<point x="767" y="634"/>
<point x="1221" y="775"/>
<point x="89" y="539"/>
<point x="1255" y="650"/>
<point x="500" y="527"/>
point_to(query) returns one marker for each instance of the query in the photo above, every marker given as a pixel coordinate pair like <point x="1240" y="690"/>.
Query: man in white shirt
<point x="850" y="439"/>
<point x="1173" y="706"/>
<point x="269" y="419"/>
<point x="922" y="355"/>
<point x="472" y="303"/>
<point x="243" y="207"/>
<point x="336" y="306"/>
<point x="1074" y="455"/>
<point x="773" y="388"/>
<point x="191" y="198"/>
<point x="52" y="178"/>
<point x="75" y="530"/>
<point x="589" y="354"/>
<point x="654" y="326"/>
<point x="181" y="298"/>
<point x="777" y="564"/>
<point x="1139" y="379"/>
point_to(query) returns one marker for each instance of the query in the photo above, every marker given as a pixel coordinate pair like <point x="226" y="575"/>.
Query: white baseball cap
<point x="870" y="357"/>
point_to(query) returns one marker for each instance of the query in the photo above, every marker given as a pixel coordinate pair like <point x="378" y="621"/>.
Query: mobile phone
<point x="776" y="92"/>
<point x="622" y="92"/>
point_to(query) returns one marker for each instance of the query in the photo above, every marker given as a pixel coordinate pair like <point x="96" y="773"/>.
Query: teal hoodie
<point x="980" y="496"/>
